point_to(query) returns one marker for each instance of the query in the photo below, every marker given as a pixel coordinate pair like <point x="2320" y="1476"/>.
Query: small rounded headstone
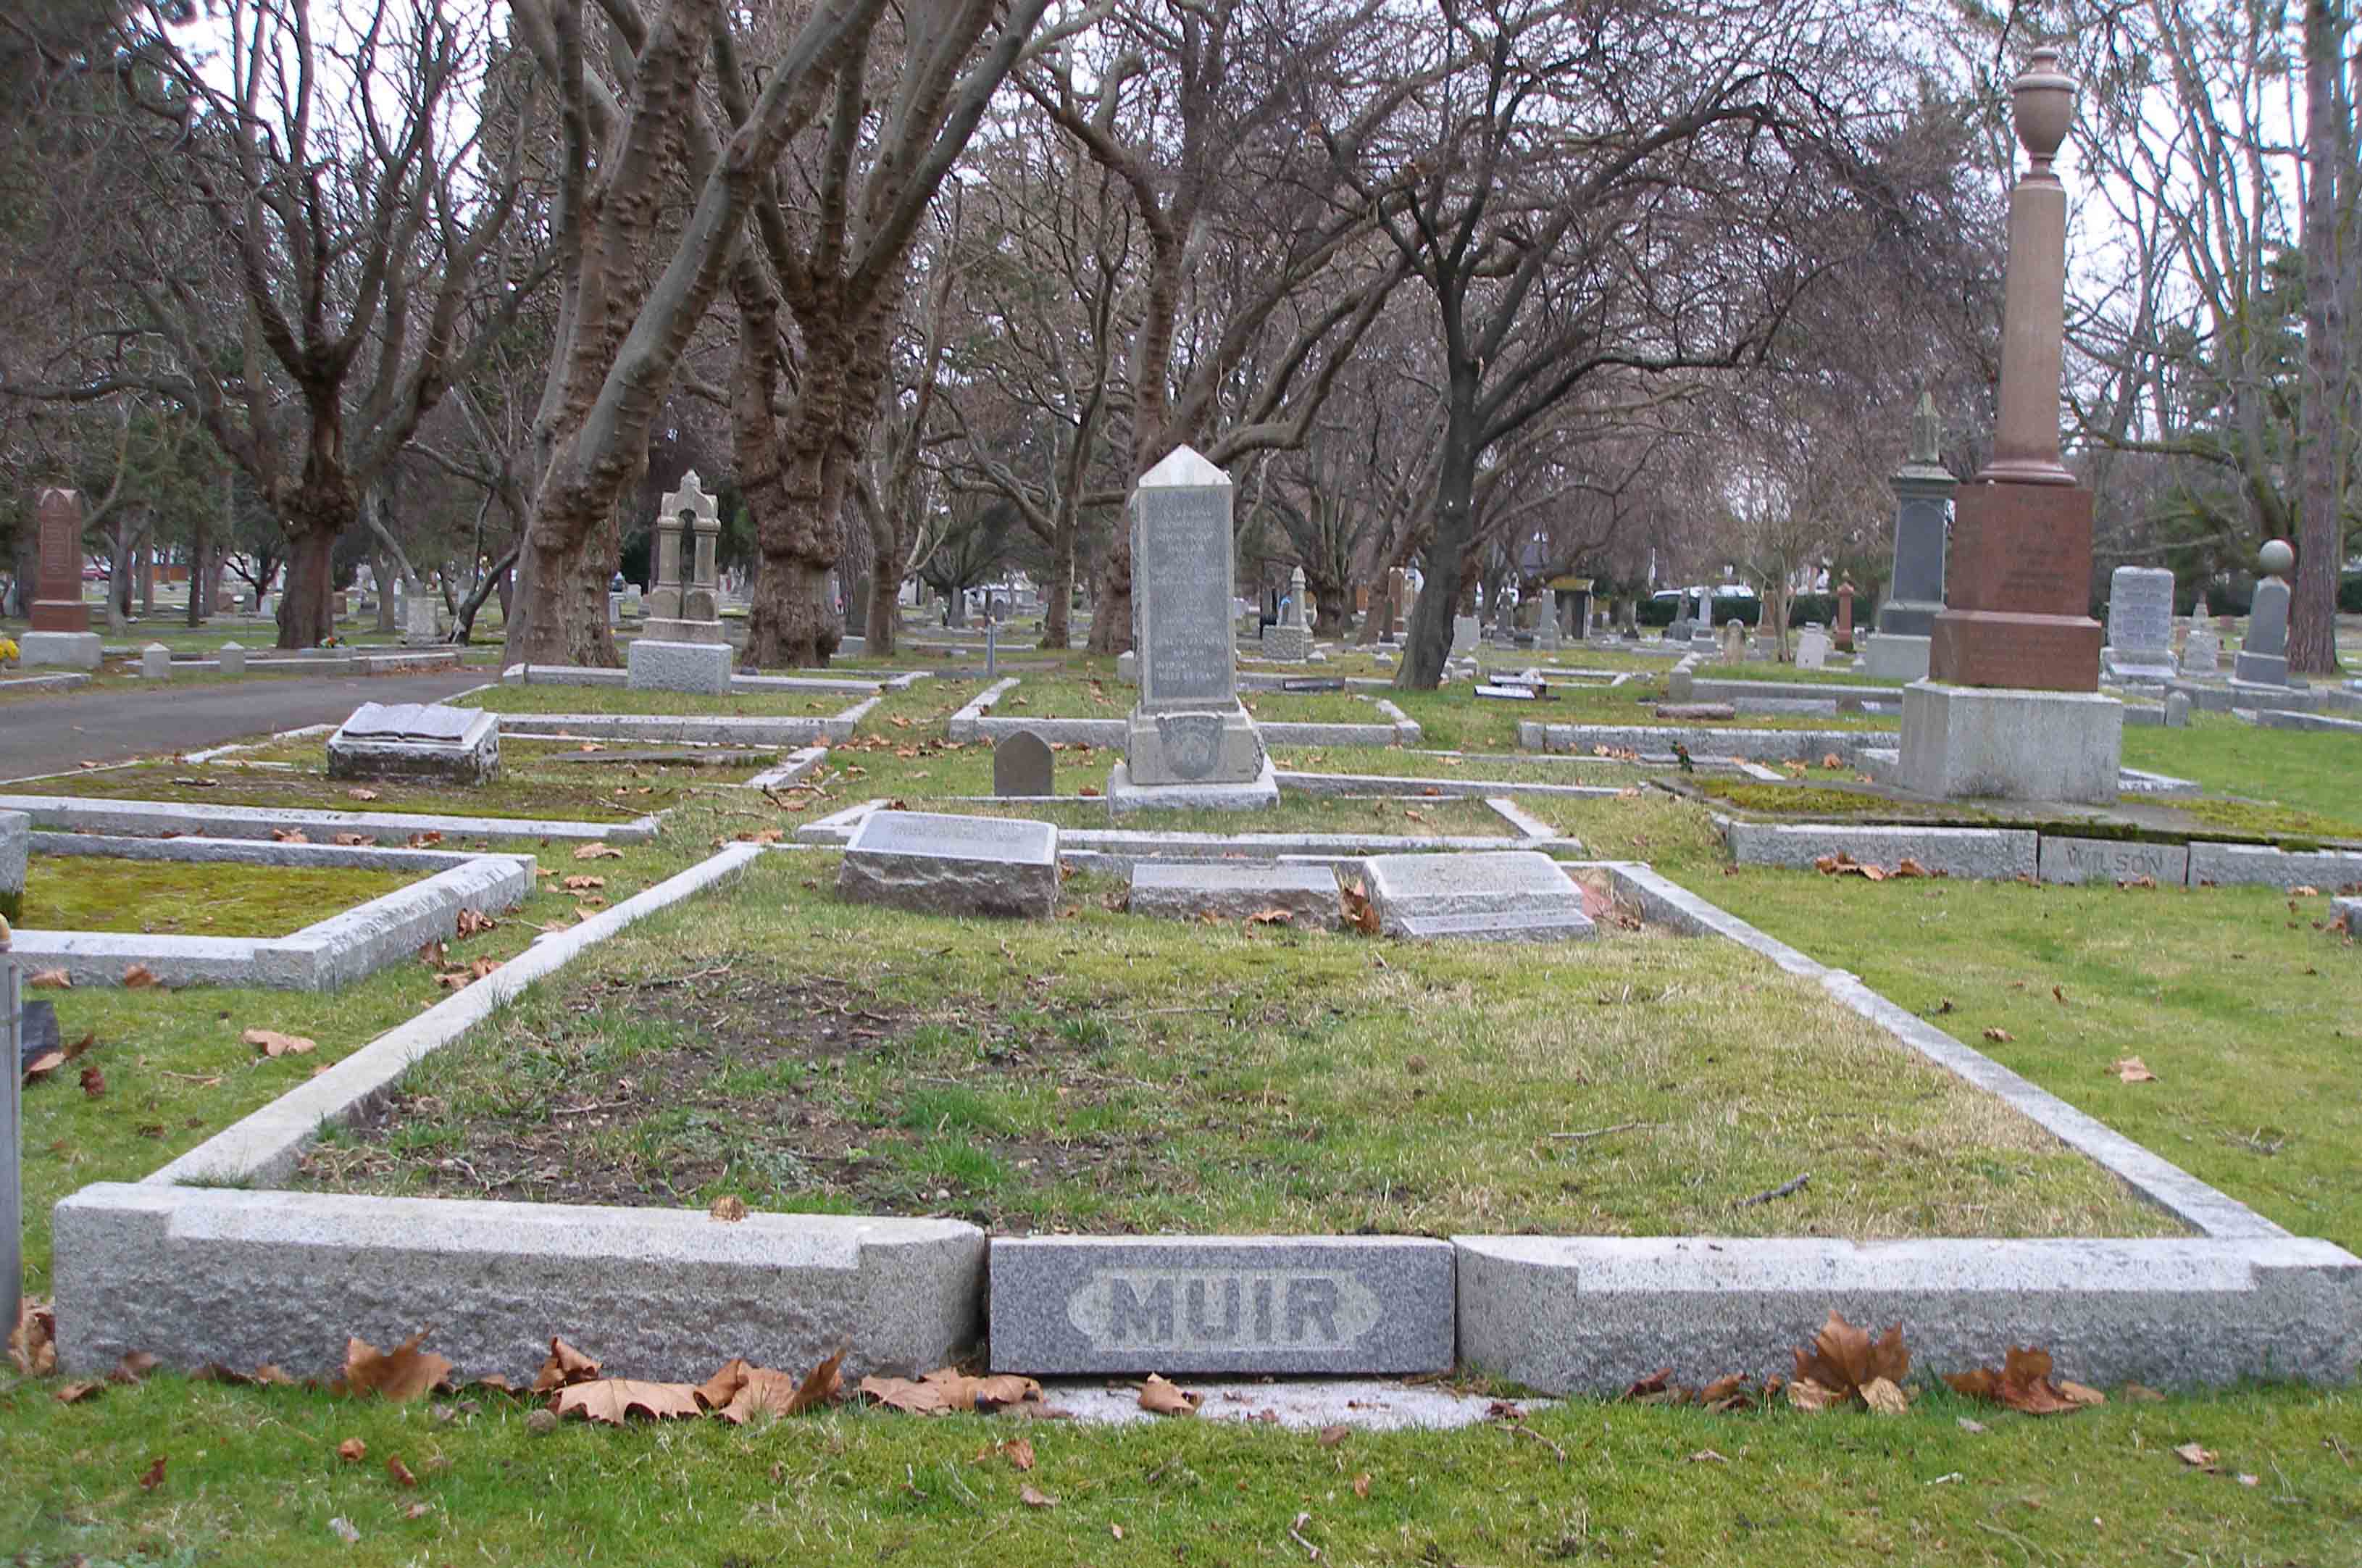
<point x="2276" y="558"/>
<point x="1022" y="766"/>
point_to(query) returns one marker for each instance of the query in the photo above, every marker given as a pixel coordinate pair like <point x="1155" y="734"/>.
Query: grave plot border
<point x="1705" y="741"/>
<point x="2002" y="853"/>
<point x="209" y="1272"/>
<point x="1117" y="848"/>
<point x="858" y="683"/>
<point x="712" y="729"/>
<point x="976" y="721"/>
<point x="359" y="662"/>
<point x="157" y="819"/>
<point x="326" y="955"/>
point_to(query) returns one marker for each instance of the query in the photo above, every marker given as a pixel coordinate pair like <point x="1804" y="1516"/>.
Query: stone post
<point x="233" y="658"/>
<point x="2012" y="709"/>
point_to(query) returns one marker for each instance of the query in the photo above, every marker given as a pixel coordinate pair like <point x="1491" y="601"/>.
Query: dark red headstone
<point x="57" y="575"/>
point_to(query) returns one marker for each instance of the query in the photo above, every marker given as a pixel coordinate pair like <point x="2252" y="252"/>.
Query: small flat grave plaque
<point x="1222" y="1304"/>
<point x="1313" y="683"/>
<point x="1511" y="693"/>
<point x="1512" y="890"/>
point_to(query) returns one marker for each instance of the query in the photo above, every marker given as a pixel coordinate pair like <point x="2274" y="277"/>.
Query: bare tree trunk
<point x="2328" y="142"/>
<point x="1428" y="642"/>
<point x="557" y="614"/>
<point x="200" y="569"/>
<point x="306" y="604"/>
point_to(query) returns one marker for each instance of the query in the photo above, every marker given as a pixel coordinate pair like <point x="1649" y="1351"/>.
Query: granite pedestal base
<point x="661" y="666"/>
<point x="1214" y="746"/>
<point x="1258" y="793"/>
<point x="1967" y="742"/>
<point x="68" y="650"/>
<point x="1288" y="645"/>
<point x="1892" y="656"/>
<point x="666" y="630"/>
<point x="2260" y="669"/>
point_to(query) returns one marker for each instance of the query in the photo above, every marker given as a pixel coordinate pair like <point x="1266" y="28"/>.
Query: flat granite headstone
<point x="1510" y="895"/>
<point x="427" y="741"/>
<point x="1509" y="692"/>
<point x="938" y="864"/>
<point x="2072" y="860"/>
<point x="1187" y="891"/>
<point x="1360" y="1304"/>
<point x="16" y="846"/>
<point x="1021" y="764"/>
<point x="1812" y="650"/>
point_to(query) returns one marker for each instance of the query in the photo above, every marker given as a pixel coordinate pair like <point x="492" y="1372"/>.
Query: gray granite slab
<point x="2113" y="860"/>
<point x="2346" y="915"/>
<point x="410" y="721"/>
<point x="1505" y="895"/>
<point x="1021" y="764"/>
<point x="1188" y="890"/>
<point x="1510" y="925"/>
<point x="1223" y="1304"/>
<point x="938" y="864"/>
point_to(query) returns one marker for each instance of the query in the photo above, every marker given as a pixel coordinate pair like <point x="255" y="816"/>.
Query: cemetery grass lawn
<point x="538" y="697"/>
<point x="1295" y="813"/>
<point x="1108" y="1073"/>
<point x="2246" y="1008"/>
<point x="87" y="892"/>
<point x="1721" y="670"/>
<point x="252" y="1478"/>
<point x="578" y="794"/>
<point x="2308" y="773"/>
<point x="1456" y="719"/>
<point x="176" y="1071"/>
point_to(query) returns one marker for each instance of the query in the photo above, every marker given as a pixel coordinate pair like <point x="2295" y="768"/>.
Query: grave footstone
<point x="1485" y="895"/>
<point x="155" y="662"/>
<point x="1306" y="895"/>
<point x="662" y="665"/>
<point x="2140" y="623"/>
<point x="1021" y="764"/>
<point x="2176" y="709"/>
<point x="1279" y="1305"/>
<point x="937" y="863"/>
<point x="1465" y="631"/>
<point x="233" y="658"/>
<point x="416" y="741"/>
<point x="1813" y="649"/>
<point x="2202" y="651"/>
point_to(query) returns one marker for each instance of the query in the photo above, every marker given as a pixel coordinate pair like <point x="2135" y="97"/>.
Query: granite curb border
<point x="2003" y="853"/>
<point x="163" y="819"/>
<point x="1705" y="741"/>
<point x="858" y="683"/>
<point x="978" y="721"/>
<point x="26" y="685"/>
<point x="326" y="955"/>
<point x="714" y="729"/>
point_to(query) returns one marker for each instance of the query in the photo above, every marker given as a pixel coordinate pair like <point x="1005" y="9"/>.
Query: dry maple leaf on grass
<point x="564" y="1366"/>
<point x="32" y="1343"/>
<point x="2024" y="1383"/>
<point x="2132" y="1070"/>
<point x="611" y="1399"/>
<point x="598" y="851"/>
<point x="1159" y="1397"/>
<point x="947" y="1389"/>
<point x="741" y="1390"/>
<point x="1846" y="1364"/>
<point x="271" y="1042"/>
<point x="405" y="1372"/>
<point x="49" y="979"/>
<point x="1360" y="913"/>
<point x="140" y="978"/>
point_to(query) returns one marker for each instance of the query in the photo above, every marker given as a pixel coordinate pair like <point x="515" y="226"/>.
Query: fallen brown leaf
<point x="362" y="794"/>
<point x="2024" y="1383"/>
<point x="1360" y="913"/>
<point x="2000" y="1037"/>
<point x="729" y="1209"/>
<point x="405" y="1372"/>
<point x="352" y="1450"/>
<point x="140" y="978"/>
<point x="1330" y="1436"/>
<point x="564" y="1366"/>
<point x="153" y="1476"/>
<point x="1034" y="1499"/>
<point x="2198" y="1458"/>
<point x="1844" y="1361"/>
<point x="598" y="851"/>
<point x="132" y="1367"/>
<point x="49" y="979"/>
<point x="741" y="1391"/>
<point x="2132" y="1070"/>
<point x="947" y="1389"/>
<point x="1362" y="1485"/>
<point x="271" y="1042"/>
<point x="42" y="1066"/>
<point x="585" y="882"/>
<point x="398" y="1471"/>
<point x="1159" y="1397"/>
<point x="290" y="835"/>
<point x="94" y="1082"/>
<point x="75" y="1393"/>
<point x="474" y="922"/>
<point x="1019" y="1451"/>
<point x="611" y="1399"/>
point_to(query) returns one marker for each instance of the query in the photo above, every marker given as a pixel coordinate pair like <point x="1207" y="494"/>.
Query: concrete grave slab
<point x="656" y="666"/>
<point x="2233" y="865"/>
<point x="1245" y="1304"/>
<point x="1503" y="895"/>
<point x="938" y="864"/>
<point x="1994" y="853"/>
<point x="1191" y="890"/>
<point x="417" y="741"/>
<point x="16" y="846"/>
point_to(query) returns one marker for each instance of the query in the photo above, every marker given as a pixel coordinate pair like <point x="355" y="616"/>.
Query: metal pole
<point x="12" y="1139"/>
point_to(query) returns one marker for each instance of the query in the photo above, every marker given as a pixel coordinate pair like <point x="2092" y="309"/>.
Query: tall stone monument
<point x="2263" y="653"/>
<point x="1189" y="741"/>
<point x="686" y="604"/>
<point x="60" y="630"/>
<point x="1923" y="491"/>
<point x="682" y="646"/>
<point x="2140" y="625"/>
<point x="1289" y="640"/>
<point x="2012" y="706"/>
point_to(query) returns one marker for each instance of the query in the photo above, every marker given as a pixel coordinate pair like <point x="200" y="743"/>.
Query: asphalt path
<point x="53" y="734"/>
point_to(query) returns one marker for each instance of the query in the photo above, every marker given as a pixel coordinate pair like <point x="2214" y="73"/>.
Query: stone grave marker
<point x="1465" y="633"/>
<point x="1364" y="1305"/>
<point x="1189" y="740"/>
<point x="2176" y="709"/>
<point x="1511" y="895"/>
<point x="1813" y="649"/>
<point x="2202" y="651"/>
<point x="417" y="741"/>
<point x="938" y="864"/>
<point x="16" y="853"/>
<point x="1190" y="891"/>
<point x="1898" y="649"/>
<point x="233" y="658"/>
<point x="1289" y="641"/>
<point x="2140" y="623"/>
<point x="2063" y="859"/>
<point x="59" y="630"/>
<point x="1021" y="764"/>
<point x="2263" y="655"/>
<point x="155" y="662"/>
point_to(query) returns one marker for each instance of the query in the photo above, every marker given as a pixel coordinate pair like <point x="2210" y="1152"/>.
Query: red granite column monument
<point x="2011" y="708"/>
<point x="61" y="621"/>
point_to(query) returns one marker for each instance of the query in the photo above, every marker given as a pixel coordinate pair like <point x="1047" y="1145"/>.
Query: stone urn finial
<point x="2276" y="558"/>
<point x="1926" y="432"/>
<point x="2044" y="97"/>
